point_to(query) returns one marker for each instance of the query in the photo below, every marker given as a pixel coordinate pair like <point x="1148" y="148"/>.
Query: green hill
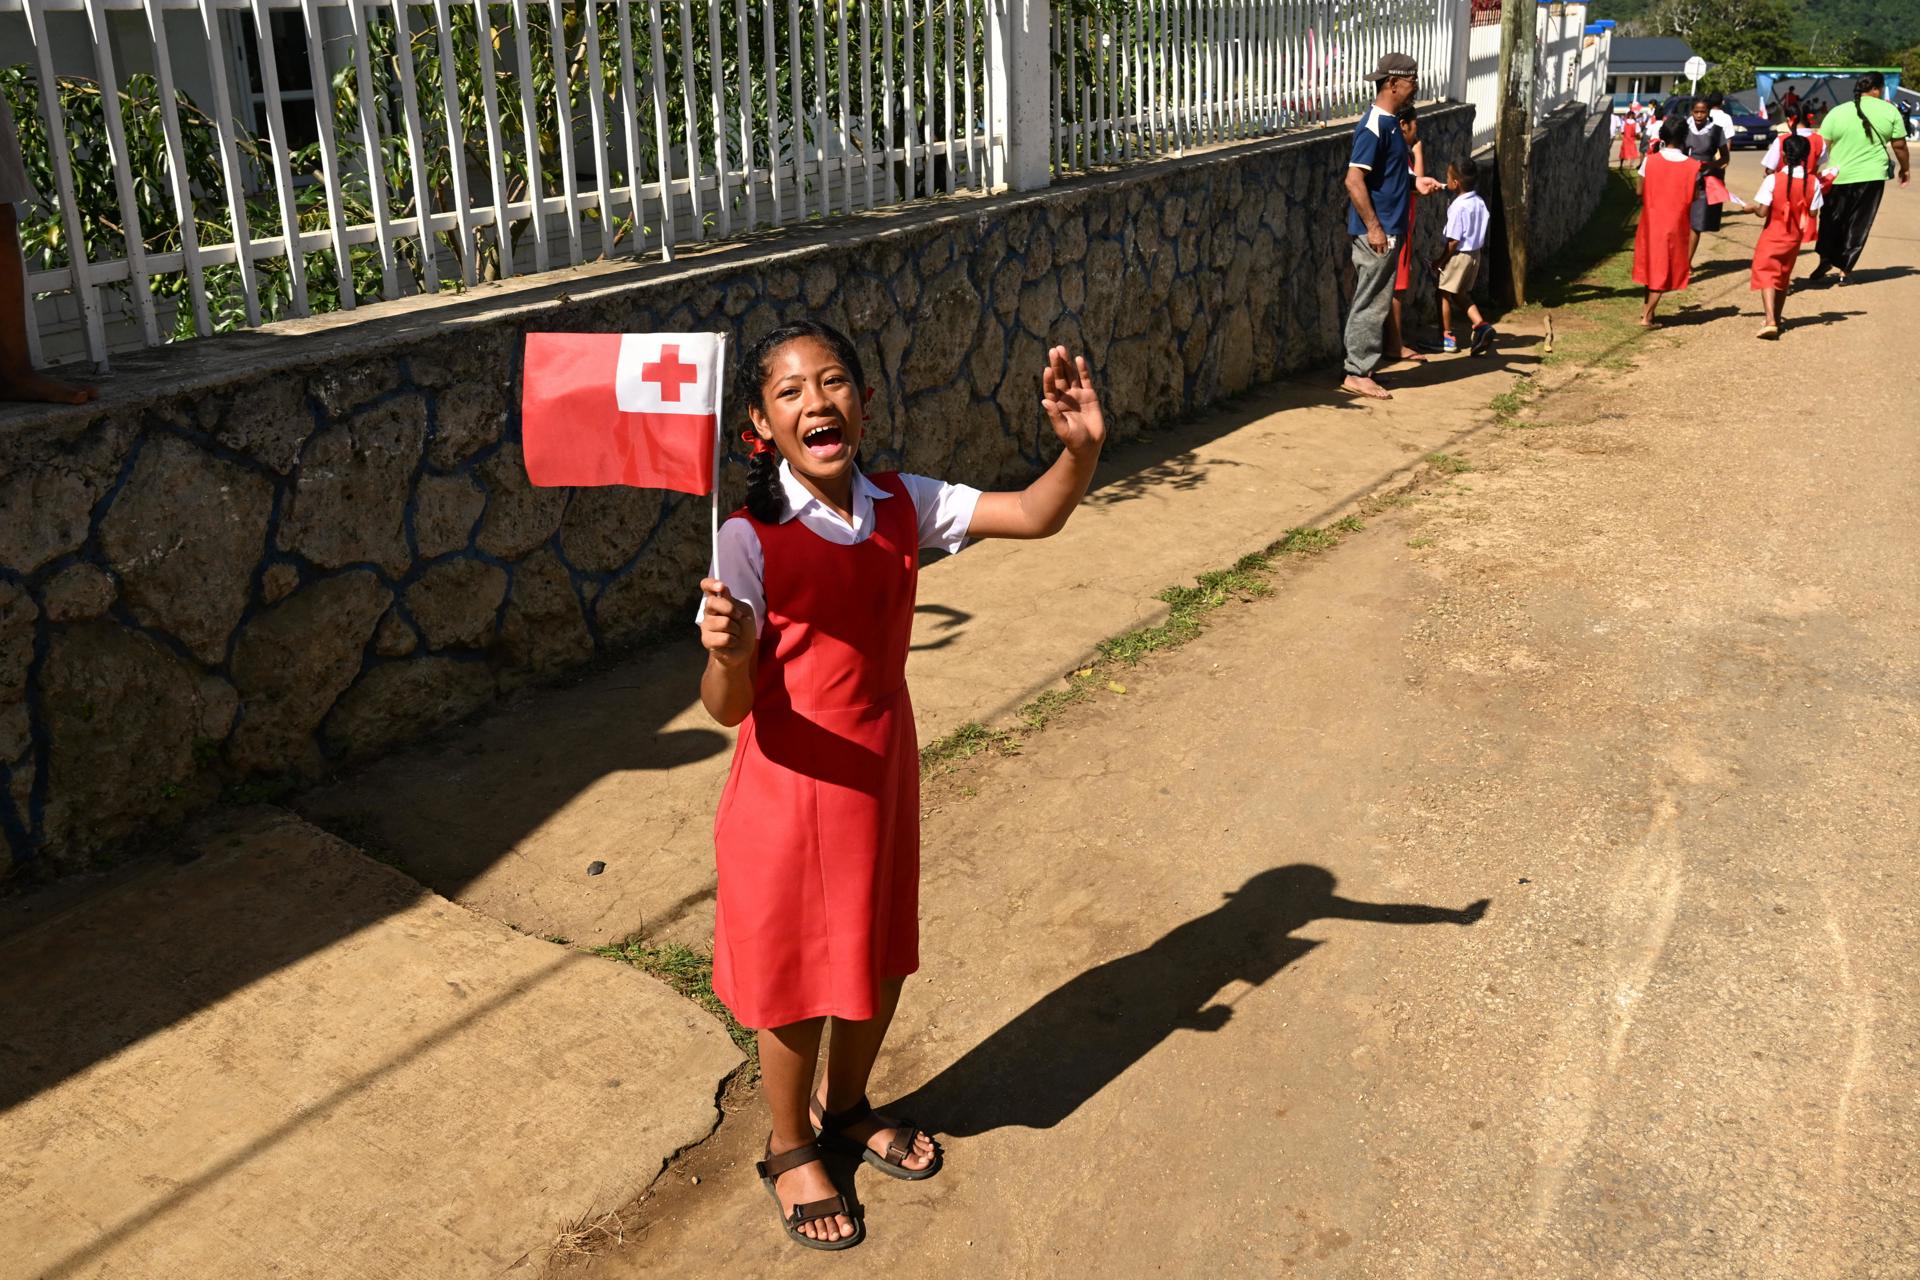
<point x="1828" y="31"/>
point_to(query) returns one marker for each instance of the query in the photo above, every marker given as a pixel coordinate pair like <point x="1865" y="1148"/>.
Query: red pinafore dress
<point x="817" y="839"/>
<point x="1629" y="142"/>
<point x="1780" y="240"/>
<point x="1662" y="243"/>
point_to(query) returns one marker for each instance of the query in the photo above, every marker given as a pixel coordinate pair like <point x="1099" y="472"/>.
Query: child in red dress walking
<point x="817" y="840"/>
<point x="1789" y="198"/>
<point x="1662" y="244"/>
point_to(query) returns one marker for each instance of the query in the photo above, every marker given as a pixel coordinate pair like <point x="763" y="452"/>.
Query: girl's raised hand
<point x="726" y="625"/>
<point x="1072" y="405"/>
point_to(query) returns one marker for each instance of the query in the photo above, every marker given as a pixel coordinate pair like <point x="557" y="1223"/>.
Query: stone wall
<point x="1570" y="156"/>
<point x="1569" y="173"/>
<point x="266" y="554"/>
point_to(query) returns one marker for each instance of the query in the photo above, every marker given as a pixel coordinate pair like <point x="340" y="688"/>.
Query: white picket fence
<point x="1167" y="75"/>
<point x="1570" y="65"/>
<point x="574" y="130"/>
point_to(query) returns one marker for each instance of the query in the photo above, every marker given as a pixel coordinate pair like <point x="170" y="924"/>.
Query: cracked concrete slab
<point x="286" y="1059"/>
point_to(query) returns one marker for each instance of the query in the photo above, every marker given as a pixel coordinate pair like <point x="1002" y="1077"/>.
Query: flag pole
<point x="719" y="430"/>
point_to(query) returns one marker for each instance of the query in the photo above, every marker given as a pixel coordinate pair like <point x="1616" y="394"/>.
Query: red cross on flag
<point x="638" y="409"/>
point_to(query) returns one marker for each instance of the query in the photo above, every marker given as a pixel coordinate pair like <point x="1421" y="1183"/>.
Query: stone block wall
<point x="1569" y="173"/>
<point x="267" y="554"/>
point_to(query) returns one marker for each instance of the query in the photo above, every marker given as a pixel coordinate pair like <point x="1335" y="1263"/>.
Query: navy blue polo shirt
<point x="1382" y="152"/>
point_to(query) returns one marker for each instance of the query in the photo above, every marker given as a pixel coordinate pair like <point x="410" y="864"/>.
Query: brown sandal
<point x="773" y="1166"/>
<point x="899" y="1146"/>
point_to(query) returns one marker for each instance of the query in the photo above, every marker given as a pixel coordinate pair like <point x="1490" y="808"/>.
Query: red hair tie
<point x="760" y="445"/>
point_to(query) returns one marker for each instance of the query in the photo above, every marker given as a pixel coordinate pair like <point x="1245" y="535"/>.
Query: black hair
<point x="1467" y="169"/>
<point x="1872" y="82"/>
<point x="1700" y="100"/>
<point x="1794" y="150"/>
<point x="765" y="502"/>
<point x="1716" y="98"/>
<point x="1406" y="114"/>
<point x="1673" y="132"/>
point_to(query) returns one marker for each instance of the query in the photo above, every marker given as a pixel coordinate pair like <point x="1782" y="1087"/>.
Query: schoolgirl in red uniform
<point x="1630" y="140"/>
<point x="817" y="839"/>
<point x="1788" y="199"/>
<point x="1396" y="345"/>
<point x="1662" y="244"/>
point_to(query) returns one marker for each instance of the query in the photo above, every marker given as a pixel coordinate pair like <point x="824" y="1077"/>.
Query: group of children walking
<point x="1683" y="190"/>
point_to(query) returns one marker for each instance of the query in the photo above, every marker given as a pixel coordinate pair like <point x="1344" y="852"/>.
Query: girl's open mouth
<point x="822" y="442"/>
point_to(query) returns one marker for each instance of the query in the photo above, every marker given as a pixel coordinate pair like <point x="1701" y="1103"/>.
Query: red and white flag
<point x="637" y="409"/>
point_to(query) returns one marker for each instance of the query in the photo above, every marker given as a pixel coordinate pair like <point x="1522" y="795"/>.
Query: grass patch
<point x="964" y="743"/>
<point x="1452" y="464"/>
<point x="1305" y="542"/>
<point x="1592" y="276"/>
<point x="1039" y="713"/>
<point x="1419" y="541"/>
<point x="690" y="973"/>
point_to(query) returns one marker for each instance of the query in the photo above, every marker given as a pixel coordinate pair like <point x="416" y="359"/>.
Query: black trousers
<point x="1846" y="217"/>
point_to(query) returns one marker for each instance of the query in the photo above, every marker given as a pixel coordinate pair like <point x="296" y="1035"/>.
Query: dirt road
<point x="1209" y="988"/>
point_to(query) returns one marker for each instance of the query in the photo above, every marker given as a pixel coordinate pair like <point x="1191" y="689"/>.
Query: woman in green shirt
<point x="1858" y="135"/>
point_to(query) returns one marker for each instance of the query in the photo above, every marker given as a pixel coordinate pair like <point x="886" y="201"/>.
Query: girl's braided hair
<point x="1872" y="82"/>
<point x="1794" y="151"/>
<point x="765" y="502"/>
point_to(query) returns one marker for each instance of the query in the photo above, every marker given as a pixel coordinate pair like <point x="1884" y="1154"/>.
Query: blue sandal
<point x="899" y="1147"/>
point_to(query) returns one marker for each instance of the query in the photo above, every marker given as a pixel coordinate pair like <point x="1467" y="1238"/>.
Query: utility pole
<point x="1513" y="136"/>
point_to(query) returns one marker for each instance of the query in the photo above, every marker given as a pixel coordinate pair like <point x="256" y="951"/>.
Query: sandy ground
<point x="1524" y="888"/>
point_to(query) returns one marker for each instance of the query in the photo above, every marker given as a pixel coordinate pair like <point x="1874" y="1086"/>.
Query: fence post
<point x="1513" y="140"/>
<point x="1019" y="44"/>
<point x="1461" y="32"/>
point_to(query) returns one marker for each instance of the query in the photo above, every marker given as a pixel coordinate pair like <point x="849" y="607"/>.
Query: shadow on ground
<point x="1074" y="1041"/>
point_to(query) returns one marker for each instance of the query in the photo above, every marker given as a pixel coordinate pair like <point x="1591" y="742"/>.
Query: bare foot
<point x="804" y="1185"/>
<point x="38" y="387"/>
<point x="1646" y="322"/>
<point x="1365" y="387"/>
<point x="1415" y="357"/>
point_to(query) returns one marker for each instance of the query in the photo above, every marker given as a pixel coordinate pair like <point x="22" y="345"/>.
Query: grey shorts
<point x="14" y="187"/>
<point x="1462" y="269"/>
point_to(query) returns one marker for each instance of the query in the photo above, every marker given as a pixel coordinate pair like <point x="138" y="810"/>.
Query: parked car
<point x="1751" y="127"/>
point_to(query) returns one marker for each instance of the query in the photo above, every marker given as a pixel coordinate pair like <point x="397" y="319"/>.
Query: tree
<point x="1735" y="36"/>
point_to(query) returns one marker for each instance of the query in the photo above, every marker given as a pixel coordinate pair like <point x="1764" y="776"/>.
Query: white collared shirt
<point x="942" y="511"/>
<point x="1765" y="195"/>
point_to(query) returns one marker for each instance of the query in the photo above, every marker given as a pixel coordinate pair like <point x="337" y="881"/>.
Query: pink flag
<point x="637" y="409"/>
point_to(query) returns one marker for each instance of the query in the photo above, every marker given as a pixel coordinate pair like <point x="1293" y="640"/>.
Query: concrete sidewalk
<point x="285" y="1058"/>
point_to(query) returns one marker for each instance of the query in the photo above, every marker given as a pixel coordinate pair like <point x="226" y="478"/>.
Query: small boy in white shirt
<point x="1459" y="267"/>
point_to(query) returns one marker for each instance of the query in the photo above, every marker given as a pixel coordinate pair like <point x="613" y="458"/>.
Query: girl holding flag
<point x="806" y="623"/>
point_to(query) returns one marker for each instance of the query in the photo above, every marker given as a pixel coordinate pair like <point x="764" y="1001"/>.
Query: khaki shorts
<point x="1461" y="271"/>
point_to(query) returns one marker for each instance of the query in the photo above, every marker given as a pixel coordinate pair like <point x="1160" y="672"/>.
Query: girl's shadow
<point x="1072" y="1042"/>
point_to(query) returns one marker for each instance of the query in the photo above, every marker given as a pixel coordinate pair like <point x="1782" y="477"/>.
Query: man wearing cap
<point x="1379" y="181"/>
